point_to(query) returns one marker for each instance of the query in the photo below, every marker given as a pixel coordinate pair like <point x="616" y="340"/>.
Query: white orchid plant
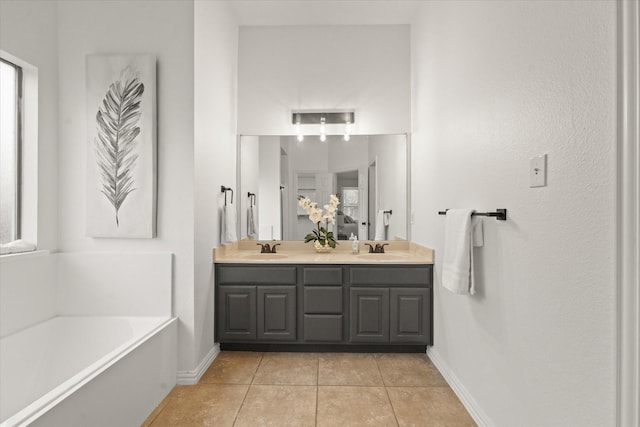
<point x="321" y="236"/>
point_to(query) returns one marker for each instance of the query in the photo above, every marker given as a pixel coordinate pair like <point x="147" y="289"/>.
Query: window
<point x="10" y="150"/>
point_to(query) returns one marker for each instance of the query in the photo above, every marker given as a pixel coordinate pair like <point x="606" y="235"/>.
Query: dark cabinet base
<point x="325" y="348"/>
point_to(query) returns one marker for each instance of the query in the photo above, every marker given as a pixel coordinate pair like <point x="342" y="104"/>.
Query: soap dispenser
<point x="355" y="248"/>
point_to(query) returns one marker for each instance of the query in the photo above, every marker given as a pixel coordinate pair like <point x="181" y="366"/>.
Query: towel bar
<point x="499" y="214"/>
<point x="252" y="198"/>
<point x="224" y="190"/>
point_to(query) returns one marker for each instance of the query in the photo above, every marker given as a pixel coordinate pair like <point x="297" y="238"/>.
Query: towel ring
<point x="224" y="190"/>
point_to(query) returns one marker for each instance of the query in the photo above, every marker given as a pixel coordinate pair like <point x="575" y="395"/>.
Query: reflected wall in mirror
<point x="368" y="173"/>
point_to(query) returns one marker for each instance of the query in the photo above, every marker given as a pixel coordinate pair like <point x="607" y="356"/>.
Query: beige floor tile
<point x="351" y="392"/>
<point x="408" y="369"/>
<point x="354" y="406"/>
<point x="232" y="367"/>
<point x="428" y="407"/>
<point x="202" y="405"/>
<point x="174" y="392"/>
<point x="287" y="369"/>
<point x="348" y="369"/>
<point x="278" y="405"/>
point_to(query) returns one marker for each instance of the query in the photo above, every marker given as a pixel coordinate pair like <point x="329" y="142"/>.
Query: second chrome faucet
<point x="378" y="249"/>
<point x="267" y="249"/>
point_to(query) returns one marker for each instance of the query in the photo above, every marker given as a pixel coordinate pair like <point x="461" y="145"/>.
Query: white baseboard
<point x="460" y="390"/>
<point x="192" y="377"/>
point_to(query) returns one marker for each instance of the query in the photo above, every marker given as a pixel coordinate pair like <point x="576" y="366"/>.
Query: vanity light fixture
<point x="301" y="118"/>
<point x="299" y="129"/>
<point x="323" y="130"/>
<point x="347" y="131"/>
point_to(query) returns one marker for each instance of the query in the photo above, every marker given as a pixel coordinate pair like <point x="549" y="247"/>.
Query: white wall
<point x="37" y="286"/>
<point x="495" y="83"/>
<point x="166" y="30"/>
<point x="28" y="30"/>
<point x="216" y="45"/>
<point x="27" y="291"/>
<point x="366" y="68"/>
<point x="113" y="283"/>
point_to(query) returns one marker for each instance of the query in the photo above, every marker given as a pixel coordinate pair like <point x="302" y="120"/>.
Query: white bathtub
<point x="86" y="371"/>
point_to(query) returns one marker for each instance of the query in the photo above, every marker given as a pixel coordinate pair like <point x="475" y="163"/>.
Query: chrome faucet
<point x="378" y="249"/>
<point x="267" y="249"/>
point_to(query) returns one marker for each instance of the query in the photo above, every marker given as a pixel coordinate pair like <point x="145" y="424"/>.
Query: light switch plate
<point x="538" y="171"/>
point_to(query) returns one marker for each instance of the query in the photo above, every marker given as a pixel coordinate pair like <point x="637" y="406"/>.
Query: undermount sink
<point x="265" y="256"/>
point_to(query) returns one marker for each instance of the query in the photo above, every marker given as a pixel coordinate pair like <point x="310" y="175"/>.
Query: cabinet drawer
<point x="322" y="276"/>
<point x="413" y="276"/>
<point x="323" y="299"/>
<point x="257" y="275"/>
<point x="323" y="327"/>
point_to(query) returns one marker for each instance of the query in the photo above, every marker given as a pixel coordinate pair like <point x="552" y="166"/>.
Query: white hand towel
<point x="387" y="217"/>
<point x="380" y="229"/>
<point x="478" y="232"/>
<point x="251" y="221"/>
<point x="457" y="269"/>
<point x="229" y="219"/>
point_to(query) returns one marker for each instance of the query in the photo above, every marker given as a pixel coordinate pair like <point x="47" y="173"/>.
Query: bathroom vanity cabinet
<point x="390" y="304"/>
<point x="256" y="303"/>
<point x="324" y="306"/>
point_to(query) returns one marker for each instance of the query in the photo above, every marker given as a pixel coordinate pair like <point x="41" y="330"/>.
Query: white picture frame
<point x="121" y="146"/>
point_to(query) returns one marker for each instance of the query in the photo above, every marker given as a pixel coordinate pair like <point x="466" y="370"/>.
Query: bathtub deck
<point x="45" y="364"/>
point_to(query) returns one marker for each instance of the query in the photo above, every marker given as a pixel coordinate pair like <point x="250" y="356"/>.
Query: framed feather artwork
<point x="121" y="146"/>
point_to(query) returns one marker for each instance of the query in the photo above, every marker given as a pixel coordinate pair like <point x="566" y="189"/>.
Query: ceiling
<point x="324" y="12"/>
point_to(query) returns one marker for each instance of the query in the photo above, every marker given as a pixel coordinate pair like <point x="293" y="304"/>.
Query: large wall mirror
<point x="368" y="173"/>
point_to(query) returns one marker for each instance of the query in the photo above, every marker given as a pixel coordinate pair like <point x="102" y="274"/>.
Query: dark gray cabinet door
<point x="409" y="315"/>
<point x="369" y="315"/>
<point x="237" y="313"/>
<point x="277" y="313"/>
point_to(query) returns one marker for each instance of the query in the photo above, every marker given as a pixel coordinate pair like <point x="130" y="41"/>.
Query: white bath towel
<point x="251" y="221"/>
<point x="457" y="269"/>
<point x="380" y="227"/>
<point x="229" y="224"/>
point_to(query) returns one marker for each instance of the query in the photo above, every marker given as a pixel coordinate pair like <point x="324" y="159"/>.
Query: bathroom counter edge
<point x="297" y="252"/>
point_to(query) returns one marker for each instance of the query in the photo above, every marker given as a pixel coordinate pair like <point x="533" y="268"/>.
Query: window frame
<point x="19" y="146"/>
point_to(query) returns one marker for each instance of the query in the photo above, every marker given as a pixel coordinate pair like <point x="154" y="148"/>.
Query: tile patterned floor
<point x="314" y="389"/>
